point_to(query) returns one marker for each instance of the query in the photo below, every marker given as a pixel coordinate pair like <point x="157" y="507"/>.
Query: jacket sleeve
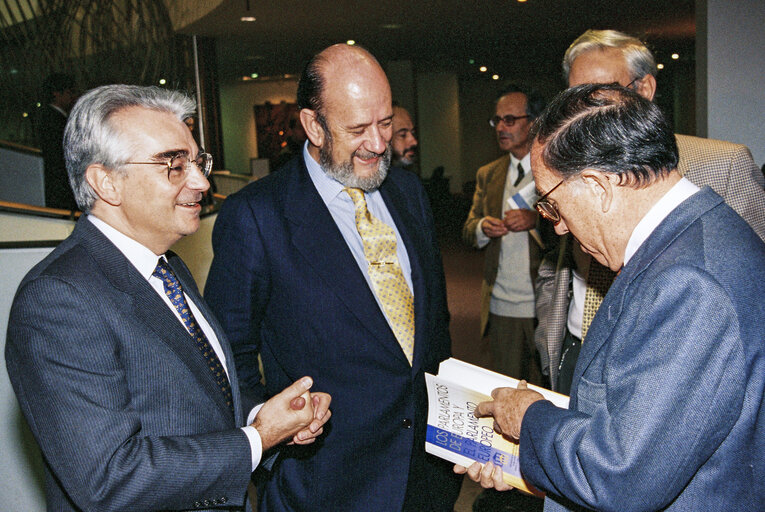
<point x="745" y="192"/>
<point x="237" y="288"/>
<point x="544" y="287"/>
<point x="476" y="210"/>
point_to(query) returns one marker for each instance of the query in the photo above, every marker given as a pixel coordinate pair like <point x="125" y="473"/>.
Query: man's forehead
<point x="151" y="129"/>
<point x="512" y="102"/>
<point x="598" y="65"/>
<point x="401" y="117"/>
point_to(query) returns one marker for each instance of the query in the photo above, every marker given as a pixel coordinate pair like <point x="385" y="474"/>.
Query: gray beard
<point x="343" y="172"/>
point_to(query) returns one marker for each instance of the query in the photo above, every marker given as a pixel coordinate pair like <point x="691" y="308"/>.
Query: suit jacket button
<point x="207" y="503"/>
<point x="407" y="423"/>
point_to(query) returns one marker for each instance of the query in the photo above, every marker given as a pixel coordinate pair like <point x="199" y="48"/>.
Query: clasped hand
<point x="514" y="220"/>
<point x="294" y="413"/>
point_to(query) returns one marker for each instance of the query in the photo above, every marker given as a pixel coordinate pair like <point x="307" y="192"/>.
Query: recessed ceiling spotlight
<point x="471" y="61"/>
<point x="495" y="77"/>
<point x="482" y="69"/>
<point x="675" y="56"/>
<point x="660" y="66"/>
<point x="254" y="75"/>
<point x="162" y="81"/>
<point x="247" y="18"/>
<point x="350" y="42"/>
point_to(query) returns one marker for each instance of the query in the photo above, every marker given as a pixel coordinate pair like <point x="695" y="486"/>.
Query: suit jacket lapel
<point x="318" y="239"/>
<point x="190" y="288"/>
<point x="495" y="188"/>
<point x="147" y="307"/>
<point x="407" y="226"/>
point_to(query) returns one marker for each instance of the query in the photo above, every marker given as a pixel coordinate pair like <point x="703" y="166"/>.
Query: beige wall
<point x="439" y="119"/>
<point x="195" y="250"/>
<point x="22" y="228"/>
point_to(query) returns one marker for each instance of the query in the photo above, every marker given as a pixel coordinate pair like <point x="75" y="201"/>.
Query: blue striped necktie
<point x="175" y="294"/>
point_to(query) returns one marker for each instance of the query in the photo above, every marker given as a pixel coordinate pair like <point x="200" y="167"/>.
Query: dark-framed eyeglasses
<point x="630" y="85"/>
<point x="546" y="209"/>
<point x="178" y="165"/>
<point x="509" y="120"/>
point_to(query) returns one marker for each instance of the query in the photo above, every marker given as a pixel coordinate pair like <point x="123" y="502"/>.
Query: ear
<point x="646" y="87"/>
<point x="105" y="183"/>
<point x="312" y="127"/>
<point x="601" y="186"/>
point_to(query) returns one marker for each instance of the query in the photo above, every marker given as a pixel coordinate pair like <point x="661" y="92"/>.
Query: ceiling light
<point x="471" y="61"/>
<point x="254" y="75"/>
<point x="247" y="18"/>
<point x="495" y="77"/>
<point x="350" y="42"/>
<point x="245" y="78"/>
<point x="675" y="56"/>
<point x="25" y="114"/>
<point x="521" y="1"/>
<point x="660" y="66"/>
<point x="482" y="69"/>
<point x="162" y="81"/>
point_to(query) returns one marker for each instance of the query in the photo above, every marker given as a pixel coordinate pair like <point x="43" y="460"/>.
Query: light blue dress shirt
<point x="344" y="214"/>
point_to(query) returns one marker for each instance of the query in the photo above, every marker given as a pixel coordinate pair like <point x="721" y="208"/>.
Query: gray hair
<point x="90" y="138"/>
<point x="639" y="58"/>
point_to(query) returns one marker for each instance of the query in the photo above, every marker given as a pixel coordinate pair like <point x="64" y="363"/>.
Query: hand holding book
<point x="469" y="440"/>
<point x="508" y="407"/>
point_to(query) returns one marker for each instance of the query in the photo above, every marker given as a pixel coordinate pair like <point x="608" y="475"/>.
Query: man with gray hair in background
<point x="125" y="377"/>
<point x="570" y="285"/>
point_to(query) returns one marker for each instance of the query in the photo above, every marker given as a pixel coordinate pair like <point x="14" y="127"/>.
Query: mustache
<point x="366" y="155"/>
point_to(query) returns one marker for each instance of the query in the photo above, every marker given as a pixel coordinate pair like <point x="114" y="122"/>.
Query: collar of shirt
<point x="330" y="189"/>
<point x="525" y="162"/>
<point x="682" y="190"/>
<point x="139" y="255"/>
<point x="327" y="187"/>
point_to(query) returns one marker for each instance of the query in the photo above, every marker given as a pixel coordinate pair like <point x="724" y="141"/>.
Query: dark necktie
<point x="521" y="173"/>
<point x="175" y="294"/>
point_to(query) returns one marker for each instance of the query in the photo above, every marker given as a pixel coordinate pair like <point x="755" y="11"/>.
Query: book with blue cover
<point x="456" y="435"/>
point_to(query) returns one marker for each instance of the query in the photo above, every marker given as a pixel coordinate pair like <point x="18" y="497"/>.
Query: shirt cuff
<point x="256" y="445"/>
<point x="481" y="240"/>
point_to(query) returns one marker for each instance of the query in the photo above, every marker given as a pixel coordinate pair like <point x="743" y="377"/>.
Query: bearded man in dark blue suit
<point x="666" y="407"/>
<point x="292" y="281"/>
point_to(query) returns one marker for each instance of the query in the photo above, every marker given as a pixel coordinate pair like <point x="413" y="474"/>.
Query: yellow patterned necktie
<point x="599" y="279"/>
<point x="384" y="271"/>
